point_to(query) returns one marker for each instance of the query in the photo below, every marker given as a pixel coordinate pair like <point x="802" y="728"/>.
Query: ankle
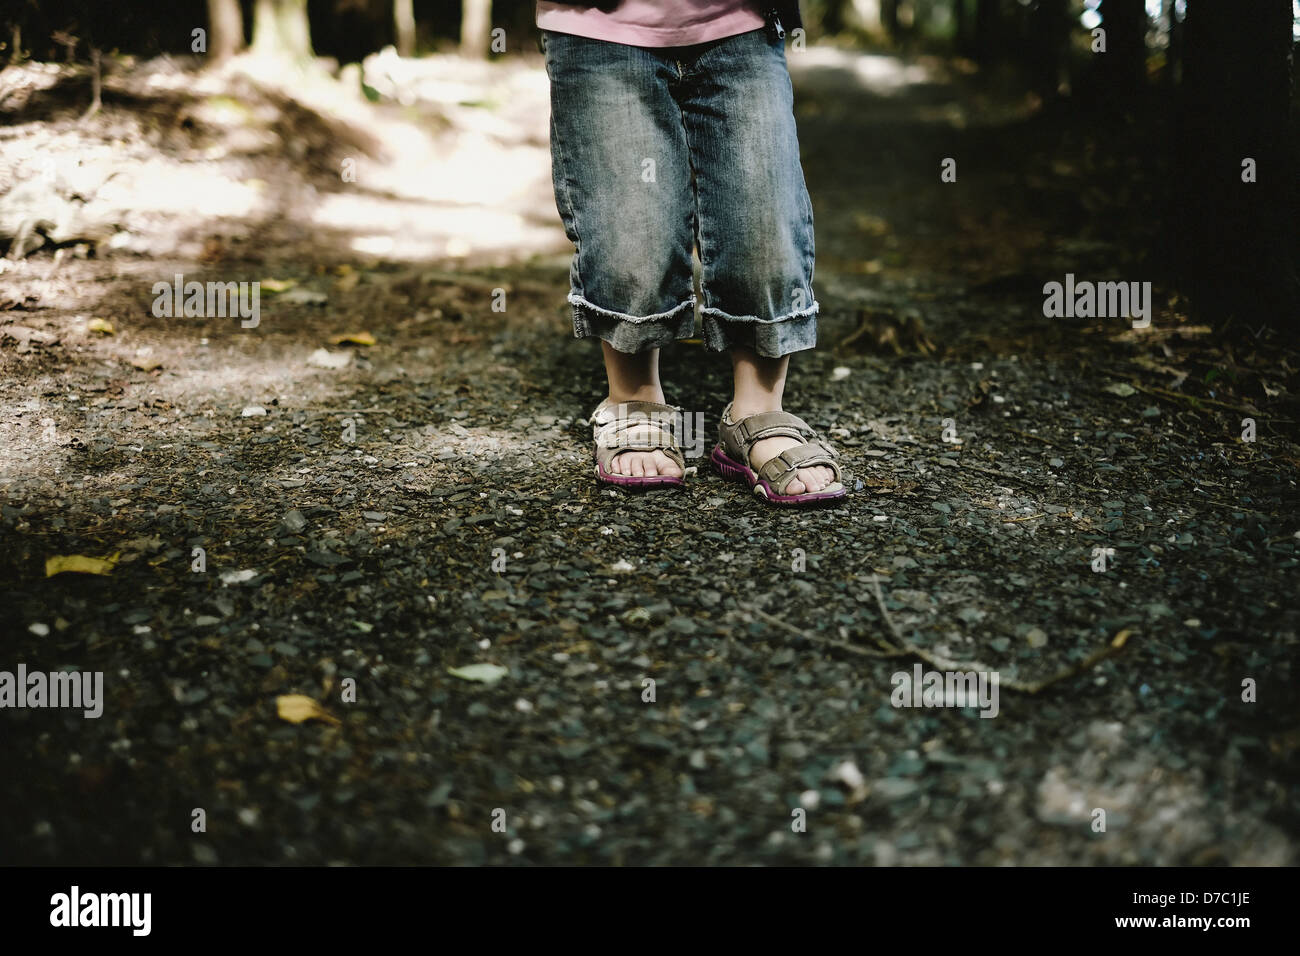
<point x="745" y="409"/>
<point x="647" y="393"/>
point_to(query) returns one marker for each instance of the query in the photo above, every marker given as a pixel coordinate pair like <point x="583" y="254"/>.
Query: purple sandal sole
<point x="632" y="482"/>
<point x="736" y="471"/>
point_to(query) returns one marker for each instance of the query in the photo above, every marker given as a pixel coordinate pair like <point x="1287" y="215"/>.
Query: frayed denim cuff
<point x="770" y="338"/>
<point x="632" y="333"/>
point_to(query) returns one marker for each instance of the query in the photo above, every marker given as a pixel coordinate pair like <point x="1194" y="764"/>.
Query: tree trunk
<point x="475" y="25"/>
<point x="281" y="30"/>
<point x="1123" y="65"/>
<point x="889" y="18"/>
<point x="404" y="25"/>
<point x="1048" y="50"/>
<point x="988" y="30"/>
<point x="1237" y="240"/>
<point x="833" y="18"/>
<point x="1174" y="49"/>
<point x="962" y="40"/>
<point x="226" y="29"/>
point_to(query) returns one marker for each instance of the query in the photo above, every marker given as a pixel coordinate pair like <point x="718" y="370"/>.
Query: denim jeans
<point x="657" y="150"/>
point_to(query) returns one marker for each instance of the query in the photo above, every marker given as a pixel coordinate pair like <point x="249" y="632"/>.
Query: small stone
<point x="252" y="411"/>
<point x="204" y="854"/>
<point x="324" y="358"/>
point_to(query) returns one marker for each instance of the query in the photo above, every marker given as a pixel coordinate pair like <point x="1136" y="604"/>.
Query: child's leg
<point x="755" y="225"/>
<point x="622" y="177"/>
<point x="635" y="378"/>
<point x="759" y="387"/>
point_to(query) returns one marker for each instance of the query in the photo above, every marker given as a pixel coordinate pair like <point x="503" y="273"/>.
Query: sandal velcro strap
<point x="779" y="470"/>
<point x="755" y="428"/>
<point x="640" y="435"/>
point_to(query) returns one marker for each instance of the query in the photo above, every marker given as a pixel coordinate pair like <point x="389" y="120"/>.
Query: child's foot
<point x="643" y="464"/>
<point x="635" y="443"/>
<point x="805" y="480"/>
<point x="779" y="456"/>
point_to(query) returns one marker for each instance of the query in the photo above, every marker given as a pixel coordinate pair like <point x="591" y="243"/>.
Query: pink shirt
<point x="653" y="22"/>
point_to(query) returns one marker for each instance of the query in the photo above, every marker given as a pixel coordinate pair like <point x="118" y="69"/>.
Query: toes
<point x="795" y="487"/>
<point x="640" y="465"/>
<point x="813" y="480"/>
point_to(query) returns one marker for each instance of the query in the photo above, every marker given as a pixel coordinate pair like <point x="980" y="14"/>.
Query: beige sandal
<point x="736" y="439"/>
<point x="636" y="426"/>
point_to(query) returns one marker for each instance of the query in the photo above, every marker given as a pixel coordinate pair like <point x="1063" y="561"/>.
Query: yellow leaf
<point x="295" y="708"/>
<point x="100" y="325"/>
<point x="277" y="285"/>
<point x="353" y="338"/>
<point x="347" y="282"/>
<point x="146" y="364"/>
<point x="80" y="564"/>
<point x="1121" y="638"/>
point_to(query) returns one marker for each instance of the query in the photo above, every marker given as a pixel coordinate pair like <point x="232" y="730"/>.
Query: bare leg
<point x="759" y="385"/>
<point x="634" y="377"/>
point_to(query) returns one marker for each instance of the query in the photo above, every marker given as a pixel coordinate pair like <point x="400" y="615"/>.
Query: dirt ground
<point x="289" y="510"/>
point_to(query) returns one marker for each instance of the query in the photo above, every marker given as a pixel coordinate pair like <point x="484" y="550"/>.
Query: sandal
<point x="735" y="439"/>
<point x="635" y="426"/>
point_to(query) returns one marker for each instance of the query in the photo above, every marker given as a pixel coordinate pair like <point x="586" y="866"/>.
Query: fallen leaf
<point x="146" y="364"/>
<point x="100" y="325"/>
<point x="79" y="564"/>
<point x="296" y="708"/>
<point x="484" y="673"/>
<point x="1122" y="389"/>
<point x="277" y="285"/>
<point x="353" y="338"/>
<point x="347" y="282"/>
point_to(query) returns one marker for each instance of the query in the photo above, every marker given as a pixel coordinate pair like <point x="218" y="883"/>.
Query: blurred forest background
<point x="1210" y="81"/>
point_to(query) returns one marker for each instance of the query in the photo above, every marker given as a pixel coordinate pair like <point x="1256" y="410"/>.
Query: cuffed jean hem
<point x="631" y="333"/>
<point x="773" y="338"/>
